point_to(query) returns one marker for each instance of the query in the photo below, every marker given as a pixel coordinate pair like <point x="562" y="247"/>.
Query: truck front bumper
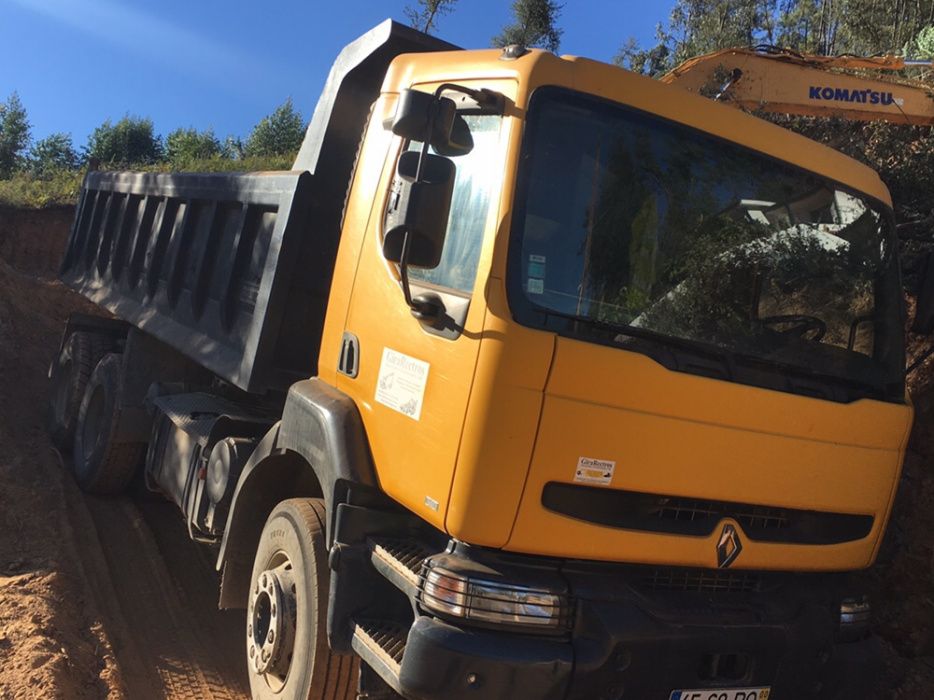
<point x="629" y="644"/>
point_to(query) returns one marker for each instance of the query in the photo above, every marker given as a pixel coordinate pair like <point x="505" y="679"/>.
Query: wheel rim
<point x="91" y="429"/>
<point x="271" y="621"/>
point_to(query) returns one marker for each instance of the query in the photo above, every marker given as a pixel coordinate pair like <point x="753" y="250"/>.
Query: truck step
<point x="381" y="644"/>
<point x="400" y="561"/>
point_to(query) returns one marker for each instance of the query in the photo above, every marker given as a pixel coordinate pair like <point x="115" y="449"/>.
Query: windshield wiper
<point x="809" y="372"/>
<point x="726" y="356"/>
<point x="729" y="359"/>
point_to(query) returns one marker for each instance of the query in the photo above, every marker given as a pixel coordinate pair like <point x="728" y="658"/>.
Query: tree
<point x="653" y="61"/>
<point x="14" y="135"/>
<point x="278" y="134"/>
<point x="232" y="148"/>
<point x="184" y="146"/>
<point x="131" y="140"/>
<point x="922" y="46"/>
<point x="54" y="152"/>
<point x="535" y="25"/>
<point x="424" y="15"/>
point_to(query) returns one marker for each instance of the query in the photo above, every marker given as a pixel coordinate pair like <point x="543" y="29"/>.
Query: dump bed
<point x="234" y="270"/>
<point x="205" y="263"/>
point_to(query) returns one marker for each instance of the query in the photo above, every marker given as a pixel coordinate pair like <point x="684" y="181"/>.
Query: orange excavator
<point x="782" y="81"/>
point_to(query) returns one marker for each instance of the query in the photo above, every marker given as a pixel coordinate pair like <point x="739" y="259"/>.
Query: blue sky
<point x="226" y="63"/>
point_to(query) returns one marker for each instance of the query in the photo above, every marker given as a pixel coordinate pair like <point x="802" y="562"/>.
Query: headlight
<point x="855" y="618"/>
<point x="452" y="594"/>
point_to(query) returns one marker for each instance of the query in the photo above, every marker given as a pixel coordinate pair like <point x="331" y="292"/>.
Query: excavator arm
<point x="785" y="82"/>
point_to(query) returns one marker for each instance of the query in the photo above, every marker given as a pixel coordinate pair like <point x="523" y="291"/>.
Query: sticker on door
<point x="401" y="383"/>
<point x="594" y="471"/>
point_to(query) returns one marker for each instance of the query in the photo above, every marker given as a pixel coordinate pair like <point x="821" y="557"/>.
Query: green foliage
<point x="30" y="190"/>
<point x="232" y="148"/>
<point x="653" y="61"/>
<point x="184" y="146"/>
<point x="278" y="134"/>
<point x="25" y="190"/>
<point x="860" y="27"/>
<point x="922" y="46"/>
<point x="54" y="152"/>
<point x="130" y="140"/>
<point x="49" y="175"/>
<point x="535" y="25"/>
<point x="14" y="135"/>
<point x="424" y="14"/>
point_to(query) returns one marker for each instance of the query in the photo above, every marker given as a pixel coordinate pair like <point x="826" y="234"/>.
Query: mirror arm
<point x="404" y="271"/>
<point x="424" y="307"/>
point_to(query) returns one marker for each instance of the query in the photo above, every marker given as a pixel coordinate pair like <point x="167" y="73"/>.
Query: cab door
<point x="413" y="380"/>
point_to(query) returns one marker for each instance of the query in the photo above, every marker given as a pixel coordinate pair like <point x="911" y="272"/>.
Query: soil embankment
<point x="98" y="597"/>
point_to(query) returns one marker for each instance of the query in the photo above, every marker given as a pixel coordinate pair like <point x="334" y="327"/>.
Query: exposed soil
<point x="108" y="597"/>
<point x="98" y="597"/>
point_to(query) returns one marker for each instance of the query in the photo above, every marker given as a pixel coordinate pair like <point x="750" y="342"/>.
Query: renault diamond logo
<point x="729" y="547"/>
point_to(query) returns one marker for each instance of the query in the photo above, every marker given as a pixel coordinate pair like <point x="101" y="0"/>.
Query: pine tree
<point x="130" y="141"/>
<point x="424" y="15"/>
<point x="54" y="152"/>
<point x="183" y="146"/>
<point x="535" y="25"/>
<point x="280" y="133"/>
<point x="14" y="135"/>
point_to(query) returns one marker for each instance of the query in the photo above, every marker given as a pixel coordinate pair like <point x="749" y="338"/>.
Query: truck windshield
<point x="710" y="257"/>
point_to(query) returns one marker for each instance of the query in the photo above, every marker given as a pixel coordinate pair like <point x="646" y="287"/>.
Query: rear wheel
<point x="102" y="463"/>
<point x="69" y="378"/>
<point x="286" y="637"/>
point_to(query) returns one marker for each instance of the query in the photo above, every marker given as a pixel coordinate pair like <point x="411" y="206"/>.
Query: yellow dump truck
<point x="535" y="378"/>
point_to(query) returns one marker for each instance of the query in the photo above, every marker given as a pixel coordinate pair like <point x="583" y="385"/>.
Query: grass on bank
<point x="26" y="190"/>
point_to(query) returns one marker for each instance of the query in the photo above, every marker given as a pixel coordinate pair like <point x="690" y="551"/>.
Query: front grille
<point x="677" y="515"/>
<point x="749" y="516"/>
<point x="700" y="581"/>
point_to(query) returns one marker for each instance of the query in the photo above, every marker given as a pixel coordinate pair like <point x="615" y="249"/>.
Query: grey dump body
<point x="234" y="270"/>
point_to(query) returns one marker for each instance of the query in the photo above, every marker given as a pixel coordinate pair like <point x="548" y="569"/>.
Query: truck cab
<point x="638" y="370"/>
<point x="608" y="401"/>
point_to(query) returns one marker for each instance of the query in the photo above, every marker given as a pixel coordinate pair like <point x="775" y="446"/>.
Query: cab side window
<point x="477" y="178"/>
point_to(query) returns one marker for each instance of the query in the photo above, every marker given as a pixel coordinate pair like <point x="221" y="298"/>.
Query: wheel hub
<point x="270" y="633"/>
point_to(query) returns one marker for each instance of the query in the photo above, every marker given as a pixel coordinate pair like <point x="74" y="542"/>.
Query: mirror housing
<point x="418" y="112"/>
<point x="419" y="207"/>
<point x="924" y="301"/>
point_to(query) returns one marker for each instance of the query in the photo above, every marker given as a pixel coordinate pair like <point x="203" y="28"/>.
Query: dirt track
<point x="108" y="597"/>
<point x="98" y="597"/>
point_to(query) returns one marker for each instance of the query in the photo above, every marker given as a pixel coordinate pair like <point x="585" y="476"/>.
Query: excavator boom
<point x="788" y="83"/>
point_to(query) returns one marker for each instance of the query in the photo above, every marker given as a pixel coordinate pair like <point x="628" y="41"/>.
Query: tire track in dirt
<point x="157" y="592"/>
<point x="101" y="597"/>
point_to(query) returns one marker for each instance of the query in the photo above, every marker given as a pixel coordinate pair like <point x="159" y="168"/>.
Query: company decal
<point x="594" y="471"/>
<point x="869" y="97"/>
<point x="401" y="383"/>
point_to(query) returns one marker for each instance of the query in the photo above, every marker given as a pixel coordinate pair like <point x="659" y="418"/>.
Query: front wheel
<point x="288" y="656"/>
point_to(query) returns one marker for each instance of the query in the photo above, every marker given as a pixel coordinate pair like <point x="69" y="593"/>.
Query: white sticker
<point x="594" y="471"/>
<point x="536" y="286"/>
<point x="401" y="383"/>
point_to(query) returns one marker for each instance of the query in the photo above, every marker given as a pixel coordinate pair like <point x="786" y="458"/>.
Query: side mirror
<point x="924" y="302"/>
<point x="421" y="116"/>
<point x="419" y="206"/>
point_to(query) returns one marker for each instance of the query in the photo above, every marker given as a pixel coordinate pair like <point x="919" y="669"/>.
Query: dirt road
<point x="98" y="597"/>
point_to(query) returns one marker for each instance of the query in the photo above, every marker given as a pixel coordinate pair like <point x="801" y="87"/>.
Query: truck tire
<point x="71" y="371"/>
<point x="288" y="657"/>
<point x="102" y="464"/>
